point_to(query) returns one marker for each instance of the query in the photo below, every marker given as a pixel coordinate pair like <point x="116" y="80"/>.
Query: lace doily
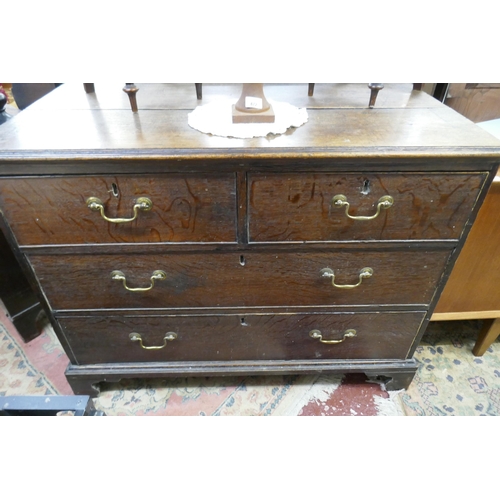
<point x="216" y="119"/>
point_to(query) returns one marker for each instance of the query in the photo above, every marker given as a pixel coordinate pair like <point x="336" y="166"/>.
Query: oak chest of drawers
<point x="160" y="251"/>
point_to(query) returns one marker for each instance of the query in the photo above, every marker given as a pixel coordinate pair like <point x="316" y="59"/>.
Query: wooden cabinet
<point x="472" y="289"/>
<point x="479" y="102"/>
<point x="161" y="251"/>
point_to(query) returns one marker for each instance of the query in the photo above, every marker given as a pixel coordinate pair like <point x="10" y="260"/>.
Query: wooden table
<point x="161" y="251"/>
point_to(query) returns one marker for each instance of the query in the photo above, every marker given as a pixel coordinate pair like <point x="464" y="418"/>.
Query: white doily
<point x="216" y="119"/>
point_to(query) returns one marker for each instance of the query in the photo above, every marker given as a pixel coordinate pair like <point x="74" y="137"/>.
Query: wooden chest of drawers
<point x="160" y="251"/>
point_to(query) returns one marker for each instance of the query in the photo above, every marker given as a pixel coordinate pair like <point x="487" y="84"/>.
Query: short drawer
<point x="116" y="339"/>
<point x="303" y="207"/>
<point x="66" y="210"/>
<point x="232" y="279"/>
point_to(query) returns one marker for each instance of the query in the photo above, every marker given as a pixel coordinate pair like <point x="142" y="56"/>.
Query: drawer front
<point x="234" y="279"/>
<point x="185" y="208"/>
<point x="298" y="207"/>
<point x="241" y="337"/>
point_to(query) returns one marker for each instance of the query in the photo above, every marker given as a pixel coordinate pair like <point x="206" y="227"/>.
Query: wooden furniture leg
<point x="199" y="93"/>
<point x="89" y="88"/>
<point x="131" y="90"/>
<point x="375" y="88"/>
<point x="488" y="334"/>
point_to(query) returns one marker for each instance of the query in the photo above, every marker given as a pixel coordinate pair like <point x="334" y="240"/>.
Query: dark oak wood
<point x="240" y="279"/>
<point x="346" y="132"/>
<point x="395" y="375"/>
<point x="425" y="206"/>
<point x="240" y="337"/>
<point x="393" y="379"/>
<point x="186" y="208"/>
<point x="242" y="228"/>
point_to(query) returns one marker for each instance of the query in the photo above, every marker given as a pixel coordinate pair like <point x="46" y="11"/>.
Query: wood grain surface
<point x="72" y="131"/>
<point x="186" y="208"/>
<point x="242" y="228"/>
<point x="473" y="286"/>
<point x="240" y="279"/>
<point x="298" y="207"/>
<point x="241" y="337"/>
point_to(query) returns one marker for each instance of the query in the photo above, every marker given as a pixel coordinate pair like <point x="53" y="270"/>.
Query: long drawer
<point x="299" y="207"/>
<point x="115" y="339"/>
<point x="232" y="279"/>
<point x="67" y="210"/>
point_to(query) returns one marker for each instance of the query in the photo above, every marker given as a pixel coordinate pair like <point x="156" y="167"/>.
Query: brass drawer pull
<point x="317" y="335"/>
<point x="144" y="204"/>
<point x="366" y="272"/>
<point x="136" y="337"/>
<point x="120" y="276"/>
<point x="385" y="202"/>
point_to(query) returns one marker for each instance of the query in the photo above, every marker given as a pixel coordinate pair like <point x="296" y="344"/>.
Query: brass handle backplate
<point x="366" y="272"/>
<point x="136" y="337"/>
<point x="120" y="276"/>
<point x="144" y="204"/>
<point x="317" y="335"/>
<point x="385" y="202"/>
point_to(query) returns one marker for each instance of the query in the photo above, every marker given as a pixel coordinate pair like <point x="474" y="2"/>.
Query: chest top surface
<point x="69" y="124"/>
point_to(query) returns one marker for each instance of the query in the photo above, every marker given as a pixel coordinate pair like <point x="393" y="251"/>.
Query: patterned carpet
<point x="450" y="381"/>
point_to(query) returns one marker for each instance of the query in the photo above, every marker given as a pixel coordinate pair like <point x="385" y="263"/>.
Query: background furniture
<point x="131" y="90"/>
<point x="375" y="88"/>
<point x="472" y="291"/>
<point x="26" y="94"/>
<point x="15" y="292"/>
<point x="478" y="102"/>
<point x="161" y="251"/>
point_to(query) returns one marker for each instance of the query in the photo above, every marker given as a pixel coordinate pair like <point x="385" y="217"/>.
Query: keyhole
<point x="243" y="322"/>
<point x="366" y="187"/>
<point x="242" y="260"/>
<point x="114" y="189"/>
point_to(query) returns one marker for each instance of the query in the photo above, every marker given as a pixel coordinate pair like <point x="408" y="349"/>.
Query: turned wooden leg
<point x="310" y="90"/>
<point x="199" y="93"/>
<point x="89" y="88"/>
<point x="375" y="88"/>
<point x="131" y="90"/>
<point x="488" y="334"/>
